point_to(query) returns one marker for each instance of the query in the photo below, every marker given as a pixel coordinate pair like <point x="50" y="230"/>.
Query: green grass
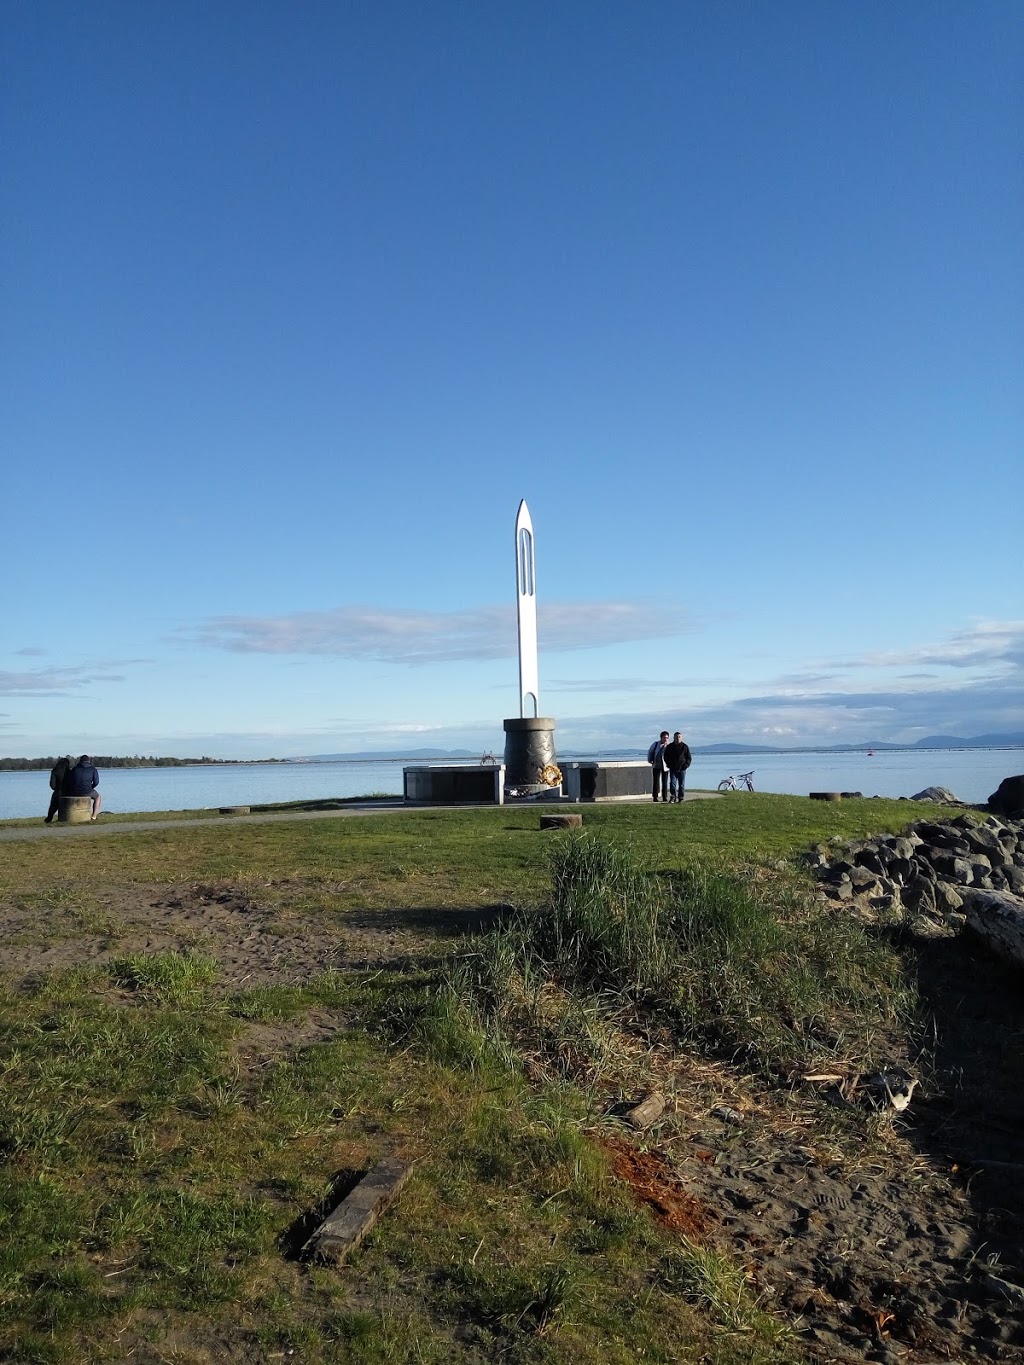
<point x="461" y="856"/>
<point x="165" y="1140"/>
<point x="145" y="1173"/>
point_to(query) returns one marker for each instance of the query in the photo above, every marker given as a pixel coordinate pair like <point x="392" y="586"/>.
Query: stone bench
<point x="454" y="784"/>
<point x="74" y="810"/>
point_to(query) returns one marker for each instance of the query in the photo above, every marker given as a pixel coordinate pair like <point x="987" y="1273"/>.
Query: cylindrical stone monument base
<point x="74" y="810"/>
<point x="529" y="748"/>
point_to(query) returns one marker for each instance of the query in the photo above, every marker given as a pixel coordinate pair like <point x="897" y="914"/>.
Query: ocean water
<point x="971" y="774"/>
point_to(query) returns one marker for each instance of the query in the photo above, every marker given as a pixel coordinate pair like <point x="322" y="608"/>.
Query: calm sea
<point x="971" y="774"/>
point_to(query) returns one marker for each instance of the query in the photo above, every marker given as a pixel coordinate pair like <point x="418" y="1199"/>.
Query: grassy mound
<point x="745" y="966"/>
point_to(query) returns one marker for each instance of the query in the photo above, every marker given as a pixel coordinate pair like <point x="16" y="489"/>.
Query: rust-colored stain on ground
<point x="655" y="1184"/>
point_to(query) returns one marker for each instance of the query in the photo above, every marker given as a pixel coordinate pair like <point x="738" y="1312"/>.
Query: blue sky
<point x="299" y="300"/>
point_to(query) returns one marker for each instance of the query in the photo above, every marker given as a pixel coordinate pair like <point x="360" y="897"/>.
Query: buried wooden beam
<point x="642" y="1115"/>
<point x="349" y="1222"/>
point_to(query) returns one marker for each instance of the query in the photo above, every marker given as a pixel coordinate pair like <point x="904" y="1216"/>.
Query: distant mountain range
<point x="1003" y="741"/>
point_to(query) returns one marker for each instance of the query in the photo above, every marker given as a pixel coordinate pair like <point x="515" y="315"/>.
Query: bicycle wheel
<point x="726" y="785"/>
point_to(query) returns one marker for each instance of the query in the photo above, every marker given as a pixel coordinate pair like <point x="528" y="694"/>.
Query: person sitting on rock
<point x="84" y="780"/>
<point x="58" y="776"/>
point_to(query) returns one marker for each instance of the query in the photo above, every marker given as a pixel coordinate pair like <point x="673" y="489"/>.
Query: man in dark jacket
<point x="678" y="758"/>
<point x="84" y="780"/>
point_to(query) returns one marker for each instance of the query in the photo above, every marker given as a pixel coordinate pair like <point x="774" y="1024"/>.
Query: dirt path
<point x="112" y="825"/>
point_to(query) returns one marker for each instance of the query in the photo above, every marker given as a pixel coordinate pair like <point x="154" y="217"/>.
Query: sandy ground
<point x="912" y="1251"/>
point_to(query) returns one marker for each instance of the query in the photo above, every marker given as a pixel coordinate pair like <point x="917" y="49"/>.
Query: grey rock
<point x="870" y="859"/>
<point x="941" y="795"/>
<point x="919" y="896"/>
<point x="899" y="869"/>
<point x="862" y="878"/>
<point x="955" y="868"/>
<point x="947" y="899"/>
<point x="1014" y="877"/>
<point x="962" y="872"/>
<point x="985" y="840"/>
<point x="942" y="837"/>
<point x="885" y="902"/>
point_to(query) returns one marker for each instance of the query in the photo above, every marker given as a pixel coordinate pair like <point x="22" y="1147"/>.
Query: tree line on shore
<point x="18" y="765"/>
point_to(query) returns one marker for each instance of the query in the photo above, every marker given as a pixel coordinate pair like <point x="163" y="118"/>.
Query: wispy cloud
<point x="384" y="635"/>
<point x="52" y="682"/>
<point x="631" y="686"/>
<point x="977" y="645"/>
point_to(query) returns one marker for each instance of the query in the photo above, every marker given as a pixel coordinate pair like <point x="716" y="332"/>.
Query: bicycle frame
<point x="738" y="782"/>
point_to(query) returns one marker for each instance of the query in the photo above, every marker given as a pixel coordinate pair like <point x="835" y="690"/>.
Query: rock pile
<point x="924" y="875"/>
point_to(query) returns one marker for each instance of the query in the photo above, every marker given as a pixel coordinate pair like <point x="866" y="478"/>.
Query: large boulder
<point x="1008" y="798"/>
<point x="999" y="920"/>
<point x="942" y="795"/>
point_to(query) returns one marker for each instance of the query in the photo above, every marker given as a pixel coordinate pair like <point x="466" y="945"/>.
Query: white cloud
<point x="385" y="635"/>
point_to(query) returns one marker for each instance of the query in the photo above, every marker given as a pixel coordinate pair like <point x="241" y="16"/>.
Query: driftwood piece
<point x="346" y="1226"/>
<point x="642" y="1115"/>
<point x="570" y="821"/>
<point x="998" y="919"/>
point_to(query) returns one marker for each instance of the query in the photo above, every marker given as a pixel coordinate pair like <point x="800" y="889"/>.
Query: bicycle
<point x="738" y="783"/>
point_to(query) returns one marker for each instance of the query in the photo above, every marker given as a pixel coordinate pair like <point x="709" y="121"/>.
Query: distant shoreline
<point x="44" y="764"/>
<point x="33" y="765"/>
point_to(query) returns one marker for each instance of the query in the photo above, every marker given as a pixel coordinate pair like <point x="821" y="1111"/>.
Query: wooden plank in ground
<point x="346" y="1226"/>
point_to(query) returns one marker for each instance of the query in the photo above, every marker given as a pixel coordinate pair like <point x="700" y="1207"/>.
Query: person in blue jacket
<point x="84" y="780"/>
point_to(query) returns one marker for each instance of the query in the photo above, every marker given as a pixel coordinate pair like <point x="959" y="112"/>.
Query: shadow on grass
<point x="326" y="804"/>
<point x="434" y="920"/>
<point x="294" y="1238"/>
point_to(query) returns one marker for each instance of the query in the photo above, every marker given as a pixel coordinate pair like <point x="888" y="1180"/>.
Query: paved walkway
<point x="112" y="825"/>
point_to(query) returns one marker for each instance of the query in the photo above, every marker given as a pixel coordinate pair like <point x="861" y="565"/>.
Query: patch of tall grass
<point x="748" y="970"/>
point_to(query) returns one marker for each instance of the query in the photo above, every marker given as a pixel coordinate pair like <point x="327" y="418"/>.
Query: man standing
<point x="656" y="758"/>
<point x="678" y="758"/>
<point x="84" y="780"/>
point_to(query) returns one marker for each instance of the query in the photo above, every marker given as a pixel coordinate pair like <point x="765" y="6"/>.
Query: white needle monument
<point x="529" y="738"/>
